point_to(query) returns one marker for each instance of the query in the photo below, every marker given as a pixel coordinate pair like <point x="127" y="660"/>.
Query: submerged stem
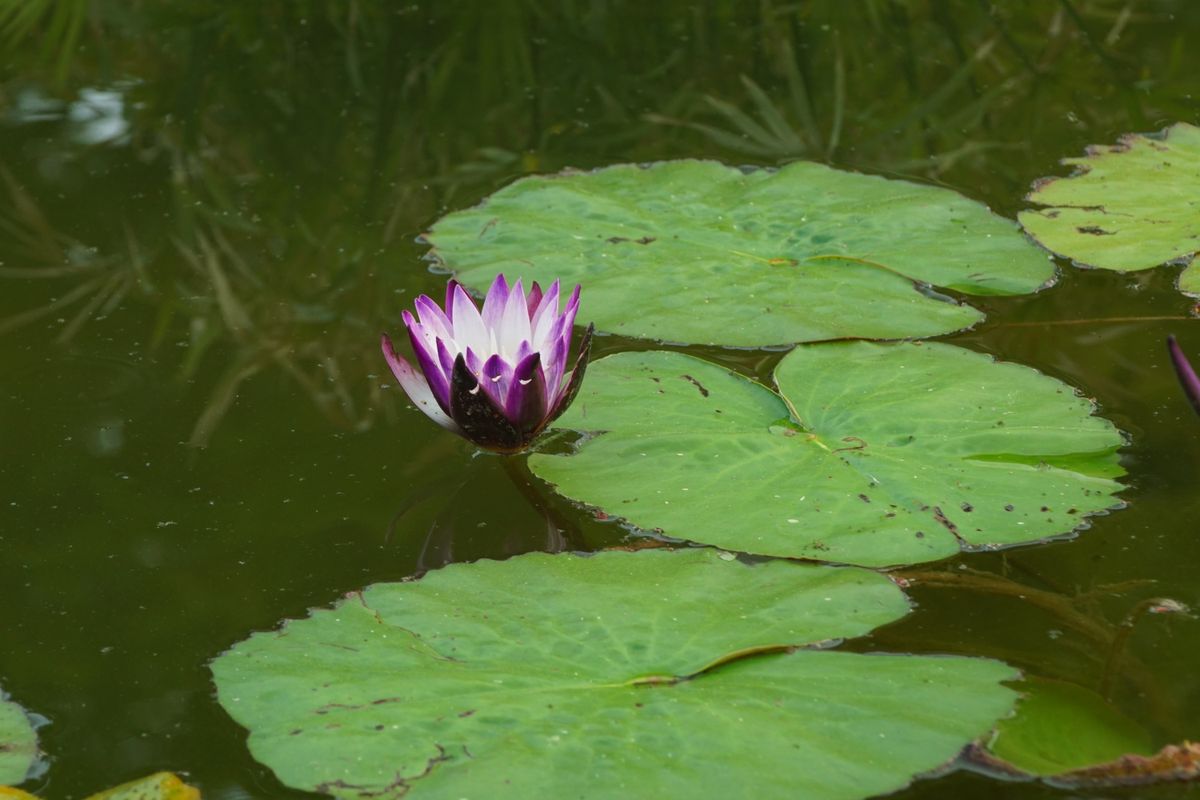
<point x="557" y="527"/>
<point x="1091" y="321"/>
<point x="1120" y="640"/>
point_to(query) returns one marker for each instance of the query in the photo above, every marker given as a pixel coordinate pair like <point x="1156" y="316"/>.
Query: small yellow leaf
<point x="159" y="786"/>
<point x="16" y="794"/>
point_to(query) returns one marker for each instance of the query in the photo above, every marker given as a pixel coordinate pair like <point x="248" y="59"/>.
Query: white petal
<point x="495" y="302"/>
<point x="554" y="366"/>
<point x="544" y="318"/>
<point x="469" y="330"/>
<point x="433" y="318"/>
<point x="572" y="308"/>
<point x="513" y="326"/>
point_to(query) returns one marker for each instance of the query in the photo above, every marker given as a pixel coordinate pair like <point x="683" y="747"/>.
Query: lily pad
<point x="1131" y="206"/>
<point x="695" y="251"/>
<point x="1060" y="727"/>
<point x="890" y="453"/>
<point x="159" y="786"/>
<point x="651" y="674"/>
<point x="18" y="742"/>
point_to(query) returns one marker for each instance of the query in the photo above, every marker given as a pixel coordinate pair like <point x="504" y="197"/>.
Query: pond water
<point x="208" y="212"/>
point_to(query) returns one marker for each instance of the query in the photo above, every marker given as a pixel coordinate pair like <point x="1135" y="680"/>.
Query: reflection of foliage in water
<point x="277" y="159"/>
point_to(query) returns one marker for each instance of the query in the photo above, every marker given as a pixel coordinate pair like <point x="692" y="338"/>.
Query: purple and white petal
<point x="495" y="302"/>
<point x="474" y="362"/>
<point x="415" y="387"/>
<point x="572" y="307"/>
<point x="420" y="330"/>
<point x="496" y="378"/>
<point x="572" y="388"/>
<point x="446" y="352"/>
<point x="425" y="349"/>
<point x="469" y="331"/>
<point x="434" y="318"/>
<point x="544" y="318"/>
<point x="533" y="299"/>
<point x="554" y="365"/>
<point x="554" y="347"/>
<point x="451" y="288"/>
<point x="513" y="327"/>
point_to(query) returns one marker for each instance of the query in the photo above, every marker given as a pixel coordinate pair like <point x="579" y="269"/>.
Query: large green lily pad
<point x="895" y="453"/>
<point x="698" y="252"/>
<point x="18" y="742"/>
<point x="648" y="674"/>
<point x="1131" y="206"/>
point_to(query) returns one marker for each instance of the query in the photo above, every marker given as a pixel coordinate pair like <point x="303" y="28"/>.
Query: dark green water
<point x="208" y="211"/>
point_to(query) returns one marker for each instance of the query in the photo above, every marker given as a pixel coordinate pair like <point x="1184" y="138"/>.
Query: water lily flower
<point x="494" y="376"/>
<point x="1187" y="375"/>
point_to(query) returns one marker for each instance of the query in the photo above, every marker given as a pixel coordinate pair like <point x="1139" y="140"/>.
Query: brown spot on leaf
<point x="696" y="383"/>
<point x="944" y="521"/>
<point x="1042" y="183"/>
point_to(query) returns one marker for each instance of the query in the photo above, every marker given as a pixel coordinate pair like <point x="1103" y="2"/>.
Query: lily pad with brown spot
<point x="871" y="454"/>
<point x="703" y="253"/>
<point x="658" y="673"/>
<point x="1130" y="206"/>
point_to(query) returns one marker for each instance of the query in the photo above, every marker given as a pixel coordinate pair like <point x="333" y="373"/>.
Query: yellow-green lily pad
<point x="1129" y="206"/>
